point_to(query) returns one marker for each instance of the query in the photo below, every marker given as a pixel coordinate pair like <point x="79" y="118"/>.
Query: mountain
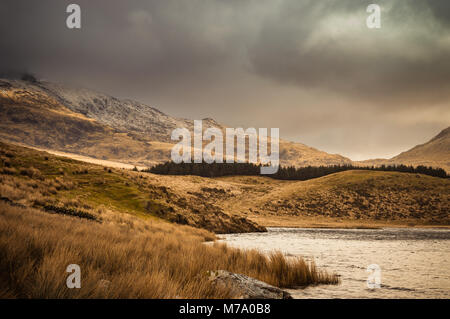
<point x="32" y="116"/>
<point x="81" y="121"/>
<point x="123" y="115"/>
<point x="435" y="152"/>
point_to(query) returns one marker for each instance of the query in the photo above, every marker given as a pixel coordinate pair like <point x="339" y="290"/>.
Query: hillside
<point x="227" y="204"/>
<point x="357" y="197"/>
<point x="435" y="152"/>
<point x="33" y="117"/>
<point x="85" y="122"/>
<point x="38" y="180"/>
<point x="350" y="198"/>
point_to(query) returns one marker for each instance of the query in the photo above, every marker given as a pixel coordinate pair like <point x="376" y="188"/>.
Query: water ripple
<point x="414" y="262"/>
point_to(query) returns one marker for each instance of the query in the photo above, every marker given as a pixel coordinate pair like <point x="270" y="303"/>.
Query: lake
<point x="413" y="262"/>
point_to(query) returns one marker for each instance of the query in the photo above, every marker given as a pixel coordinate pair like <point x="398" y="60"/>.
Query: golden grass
<point x="140" y="259"/>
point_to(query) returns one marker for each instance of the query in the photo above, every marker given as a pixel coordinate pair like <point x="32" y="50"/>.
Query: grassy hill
<point x="37" y="179"/>
<point x="360" y="197"/>
<point x="227" y="204"/>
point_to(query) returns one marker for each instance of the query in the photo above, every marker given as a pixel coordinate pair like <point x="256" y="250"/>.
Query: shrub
<point x="69" y="211"/>
<point x="31" y="172"/>
<point x="9" y="170"/>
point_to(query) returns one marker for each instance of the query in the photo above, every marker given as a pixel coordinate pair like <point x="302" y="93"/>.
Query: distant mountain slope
<point x="435" y="152"/>
<point x="33" y="117"/>
<point x="123" y="115"/>
<point x="44" y="114"/>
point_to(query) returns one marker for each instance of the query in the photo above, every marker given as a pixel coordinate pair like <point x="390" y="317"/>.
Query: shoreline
<point x="296" y="222"/>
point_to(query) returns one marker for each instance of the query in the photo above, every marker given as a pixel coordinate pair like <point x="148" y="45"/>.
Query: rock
<point x="244" y="287"/>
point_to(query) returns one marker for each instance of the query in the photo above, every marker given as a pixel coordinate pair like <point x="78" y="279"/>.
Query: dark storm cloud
<point x="441" y="10"/>
<point x="322" y="44"/>
<point x="406" y="61"/>
<point x="307" y="66"/>
<point x="130" y="39"/>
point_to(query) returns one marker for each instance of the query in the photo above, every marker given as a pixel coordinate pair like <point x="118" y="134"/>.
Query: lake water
<point x="413" y="263"/>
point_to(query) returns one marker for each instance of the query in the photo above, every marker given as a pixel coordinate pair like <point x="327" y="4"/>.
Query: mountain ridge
<point x="128" y="131"/>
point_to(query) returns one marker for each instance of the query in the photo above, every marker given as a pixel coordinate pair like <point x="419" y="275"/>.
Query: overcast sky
<point x="310" y="67"/>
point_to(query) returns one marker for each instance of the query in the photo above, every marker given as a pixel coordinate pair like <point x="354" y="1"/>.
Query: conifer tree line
<point x="284" y="173"/>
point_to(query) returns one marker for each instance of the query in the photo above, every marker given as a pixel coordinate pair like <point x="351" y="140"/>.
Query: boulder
<point x="244" y="287"/>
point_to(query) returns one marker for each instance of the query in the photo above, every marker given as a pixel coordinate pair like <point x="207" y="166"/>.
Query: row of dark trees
<point x="285" y="173"/>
